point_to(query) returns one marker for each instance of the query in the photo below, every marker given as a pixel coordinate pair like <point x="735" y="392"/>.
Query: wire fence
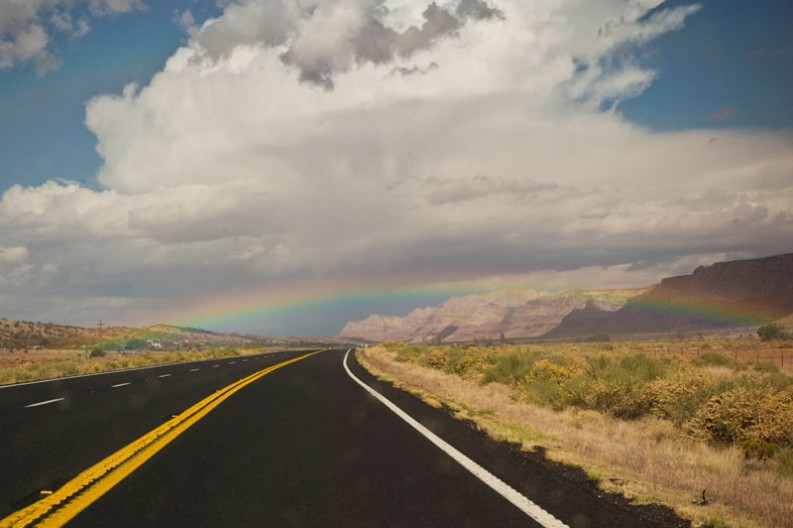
<point x="781" y="357"/>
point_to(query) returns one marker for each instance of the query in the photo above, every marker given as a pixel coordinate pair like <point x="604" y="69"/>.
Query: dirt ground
<point x="40" y="356"/>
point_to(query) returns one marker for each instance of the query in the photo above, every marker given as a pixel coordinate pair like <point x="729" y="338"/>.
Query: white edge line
<point x="44" y="403"/>
<point x="499" y="486"/>
<point x="117" y="385"/>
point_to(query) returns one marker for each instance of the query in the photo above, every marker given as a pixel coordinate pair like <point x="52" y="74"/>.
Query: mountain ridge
<point x="508" y="313"/>
<point x="727" y="294"/>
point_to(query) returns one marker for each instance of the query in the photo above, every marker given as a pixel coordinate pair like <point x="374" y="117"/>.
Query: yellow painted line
<point x="61" y="506"/>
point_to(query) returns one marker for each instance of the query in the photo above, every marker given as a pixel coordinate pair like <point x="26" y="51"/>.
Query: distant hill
<point x="21" y="335"/>
<point x="511" y="313"/>
<point x="726" y="294"/>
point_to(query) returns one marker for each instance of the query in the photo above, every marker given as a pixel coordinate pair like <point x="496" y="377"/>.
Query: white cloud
<point x="272" y="151"/>
<point x="185" y="19"/>
<point x="13" y="254"/>
<point x="28" y="44"/>
<point x="27" y="26"/>
<point x="114" y="7"/>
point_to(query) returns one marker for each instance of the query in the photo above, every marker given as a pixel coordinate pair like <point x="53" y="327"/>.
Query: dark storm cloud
<point x="375" y="42"/>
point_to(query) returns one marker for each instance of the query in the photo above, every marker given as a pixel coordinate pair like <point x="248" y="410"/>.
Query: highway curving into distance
<point x="278" y="440"/>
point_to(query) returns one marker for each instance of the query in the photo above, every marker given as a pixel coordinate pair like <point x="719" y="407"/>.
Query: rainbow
<point x="257" y="308"/>
<point x="713" y="311"/>
<point x="247" y="308"/>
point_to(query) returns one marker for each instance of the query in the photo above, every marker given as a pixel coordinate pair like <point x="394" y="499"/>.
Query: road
<point x="304" y="445"/>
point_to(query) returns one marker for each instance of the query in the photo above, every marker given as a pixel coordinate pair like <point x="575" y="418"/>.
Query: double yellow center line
<point x="58" y="508"/>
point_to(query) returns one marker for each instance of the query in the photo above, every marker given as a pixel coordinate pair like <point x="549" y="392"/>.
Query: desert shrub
<point x="435" y="358"/>
<point x="746" y="414"/>
<point x="758" y="449"/>
<point x="774" y="331"/>
<point x="643" y="367"/>
<point x="725" y="416"/>
<point x="679" y="397"/>
<point x="621" y="399"/>
<point x="716" y="522"/>
<point x="510" y="369"/>
<point x="464" y="363"/>
<point x="783" y="460"/>
<point x="406" y="353"/>
<point x="713" y="359"/>
<point x="776" y="381"/>
<point x="766" y="366"/>
<point x="775" y="419"/>
<point x="614" y="386"/>
<point x="546" y="379"/>
<point x="553" y="370"/>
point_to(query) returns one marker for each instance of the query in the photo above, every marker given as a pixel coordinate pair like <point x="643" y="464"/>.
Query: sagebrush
<point x="713" y="398"/>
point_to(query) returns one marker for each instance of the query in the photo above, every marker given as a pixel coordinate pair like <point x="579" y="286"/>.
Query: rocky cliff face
<point x="735" y="293"/>
<point x="762" y="288"/>
<point x="723" y="294"/>
<point x="387" y="328"/>
<point x="514" y="313"/>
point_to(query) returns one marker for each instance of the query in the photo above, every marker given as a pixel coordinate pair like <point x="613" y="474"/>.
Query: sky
<point x="280" y="167"/>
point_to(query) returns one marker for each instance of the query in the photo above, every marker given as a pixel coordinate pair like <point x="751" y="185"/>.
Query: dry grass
<point x="47" y="364"/>
<point x="647" y="459"/>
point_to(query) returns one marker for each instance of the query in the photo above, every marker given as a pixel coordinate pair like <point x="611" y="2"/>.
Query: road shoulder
<point x="566" y="492"/>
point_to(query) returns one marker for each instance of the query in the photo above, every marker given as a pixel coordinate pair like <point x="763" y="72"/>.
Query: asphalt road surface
<point x="303" y="446"/>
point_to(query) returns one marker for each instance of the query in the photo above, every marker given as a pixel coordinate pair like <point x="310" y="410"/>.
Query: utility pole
<point x="99" y="325"/>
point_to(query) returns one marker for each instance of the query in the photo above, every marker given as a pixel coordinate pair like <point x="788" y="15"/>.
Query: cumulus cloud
<point x="392" y="141"/>
<point x="13" y="254"/>
<point x="27" y="27"/>
<point x="325" y="37"/>
<point x="28" y="44"/>
<point x="114" y="7"/>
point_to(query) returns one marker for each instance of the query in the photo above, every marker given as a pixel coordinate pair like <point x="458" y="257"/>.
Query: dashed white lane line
<point x="194" y="370"/>
<point x="117" y="385"/>
<point x="499" y="486"/>
<point x="39" y="404"/>
<point x="215" y="366"/>
<point x="163" y="375"/>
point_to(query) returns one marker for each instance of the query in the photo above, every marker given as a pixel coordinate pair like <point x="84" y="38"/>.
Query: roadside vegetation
<point x="775" y="332"/>
<point x="47" y="364"/>
<point x="640" y="418"/>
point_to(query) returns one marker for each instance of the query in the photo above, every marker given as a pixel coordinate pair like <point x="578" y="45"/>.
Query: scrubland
<point x="640" y="419"/>
<point x="46" y="364"/>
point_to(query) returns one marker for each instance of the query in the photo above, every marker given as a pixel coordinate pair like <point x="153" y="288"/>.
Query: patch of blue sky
<point x="42" y="118"/>
<point x="730" y="66"/>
